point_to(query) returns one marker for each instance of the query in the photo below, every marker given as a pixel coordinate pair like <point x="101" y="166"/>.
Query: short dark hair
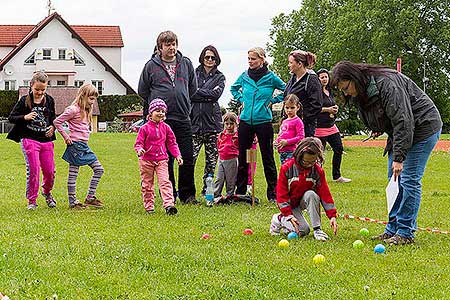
<point x="213" y="49"/>
<point x="166" y="37"/>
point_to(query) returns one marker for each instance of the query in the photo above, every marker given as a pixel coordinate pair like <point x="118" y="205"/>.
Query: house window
<point x="47" y="54"/>
<point x="61" y="82"/>
<point x="78" y="60"/>
<point x="10" y="85"/>
<point x="99" y="85"/>
<point x="79" y="83"/>
<point x="26" y="83"/>
<point x="62" y="54"/>
<point x="30" y="59"/>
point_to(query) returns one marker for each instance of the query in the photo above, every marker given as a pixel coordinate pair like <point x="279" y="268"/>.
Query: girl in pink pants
<point x="152" y="142"/>
<point x="33" y="117"/>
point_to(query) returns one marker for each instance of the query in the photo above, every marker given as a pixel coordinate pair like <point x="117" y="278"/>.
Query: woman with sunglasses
<point x="206" y="116"/>
<point x="255" y="90"/>
<point x="391" y="103"/>
<point x="305" y="84"/>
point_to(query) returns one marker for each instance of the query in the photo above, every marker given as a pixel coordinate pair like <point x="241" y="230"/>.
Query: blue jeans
<point x="403" y="215"/>
<point x="285" y="156"/>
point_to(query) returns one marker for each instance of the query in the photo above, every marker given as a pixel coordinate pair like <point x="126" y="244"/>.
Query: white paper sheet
<point x="391" y="193"/>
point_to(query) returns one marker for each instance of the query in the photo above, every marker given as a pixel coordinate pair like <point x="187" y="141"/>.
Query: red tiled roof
<point x="11" y="35"/>
<point x="93" y="35"/>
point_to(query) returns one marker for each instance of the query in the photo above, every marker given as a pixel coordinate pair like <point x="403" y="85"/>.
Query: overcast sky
<point x="232" y="26"/>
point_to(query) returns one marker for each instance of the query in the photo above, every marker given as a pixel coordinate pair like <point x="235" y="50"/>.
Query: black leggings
<point x="335" y="142"/>
<point x="264" y="133"/>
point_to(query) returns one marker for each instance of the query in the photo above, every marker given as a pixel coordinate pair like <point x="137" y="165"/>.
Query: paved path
<point x="441" y="145"/>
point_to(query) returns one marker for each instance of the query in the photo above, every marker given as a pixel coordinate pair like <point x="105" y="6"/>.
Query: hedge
<point x="7" y="101"/>
<point x="112" y="105"/>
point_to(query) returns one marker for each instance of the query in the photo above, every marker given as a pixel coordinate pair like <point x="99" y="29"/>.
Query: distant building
<point x="70" y="55"/>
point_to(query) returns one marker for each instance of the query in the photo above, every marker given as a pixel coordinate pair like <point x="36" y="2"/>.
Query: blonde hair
<point x="84" y="92"/>
<point x="260" y="52"/>
<point x="230" y="116"/>
<point x="39" y="76"/>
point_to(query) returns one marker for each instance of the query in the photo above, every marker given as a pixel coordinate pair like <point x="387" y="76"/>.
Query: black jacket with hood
<point x="155" y="82"/>
<point x="397" y="106"/>
<point x="206" y="116"/>
<point x="309" y="90"/>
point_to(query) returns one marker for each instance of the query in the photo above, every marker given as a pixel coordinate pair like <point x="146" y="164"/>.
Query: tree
<point x="372" y="31"/>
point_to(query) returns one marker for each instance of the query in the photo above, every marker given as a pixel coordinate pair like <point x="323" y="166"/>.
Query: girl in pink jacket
<point x="151" y="143"/>
<point x="291" y="130"/>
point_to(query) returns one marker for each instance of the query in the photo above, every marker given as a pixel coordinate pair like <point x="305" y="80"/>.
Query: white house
<point x="70" y="55"/>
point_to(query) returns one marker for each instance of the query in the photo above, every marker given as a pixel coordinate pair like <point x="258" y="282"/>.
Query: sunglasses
<point x="208" y="57"/>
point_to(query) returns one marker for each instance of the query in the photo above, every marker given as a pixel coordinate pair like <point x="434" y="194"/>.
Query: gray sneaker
<point x="32" y="206"/>
<point x="51" y="202"/>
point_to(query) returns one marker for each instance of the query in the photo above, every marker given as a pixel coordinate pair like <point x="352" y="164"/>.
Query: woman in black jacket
<point x="305" y="84"/>
<point x="389" y="102"/>
<point x="327" y="130"/>
<point x="206" y="116"/>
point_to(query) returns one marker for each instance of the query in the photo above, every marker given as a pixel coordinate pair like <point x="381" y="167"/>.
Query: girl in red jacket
<point x="302" y="185"/>
<point x="151" y="143"/>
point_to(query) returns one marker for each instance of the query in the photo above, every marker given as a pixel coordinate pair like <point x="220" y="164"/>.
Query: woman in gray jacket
<point x="391" y="103"/>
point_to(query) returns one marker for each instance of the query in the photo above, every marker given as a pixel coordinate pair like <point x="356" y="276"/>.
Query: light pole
<point x="424" y="79"/>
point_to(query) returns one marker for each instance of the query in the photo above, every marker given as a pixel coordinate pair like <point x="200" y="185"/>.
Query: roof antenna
<point x="50" y="7"/>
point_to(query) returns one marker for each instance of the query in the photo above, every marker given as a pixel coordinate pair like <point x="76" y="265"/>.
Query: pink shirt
<point x="79" y="129"/>
<point x="228" y="145"/>
<point x="291" y="130"/>
<point x="321" y="132"/>
<point x="155" y="138"/>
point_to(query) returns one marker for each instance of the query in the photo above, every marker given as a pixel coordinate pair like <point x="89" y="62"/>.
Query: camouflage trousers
<point x="211" y="154"/>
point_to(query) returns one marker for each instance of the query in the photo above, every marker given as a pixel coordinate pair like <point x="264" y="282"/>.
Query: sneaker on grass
<point x="320" y="235"/>
<point x="93" y="201"/>
<point x="32" y="206"/>
<point x="51" y="202"/>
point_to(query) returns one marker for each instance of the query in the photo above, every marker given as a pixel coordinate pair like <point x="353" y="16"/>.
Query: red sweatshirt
<point x="294" y="181"/>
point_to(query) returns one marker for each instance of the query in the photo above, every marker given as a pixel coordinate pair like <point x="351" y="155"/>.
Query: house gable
<point x="42" y="36"/>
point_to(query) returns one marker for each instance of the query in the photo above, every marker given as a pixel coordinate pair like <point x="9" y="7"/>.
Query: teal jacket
<point x="257" y="97"/>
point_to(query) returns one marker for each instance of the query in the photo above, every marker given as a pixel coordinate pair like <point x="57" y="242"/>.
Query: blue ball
<point x="379" y="249"/>
<point x="292" y="235"/>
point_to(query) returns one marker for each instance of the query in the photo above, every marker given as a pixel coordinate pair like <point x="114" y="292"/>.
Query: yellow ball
<point x="283" y="243"/>
<point x="318" y="259"/>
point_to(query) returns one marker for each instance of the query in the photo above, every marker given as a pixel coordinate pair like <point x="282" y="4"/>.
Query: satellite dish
<point x="9" y="70"/>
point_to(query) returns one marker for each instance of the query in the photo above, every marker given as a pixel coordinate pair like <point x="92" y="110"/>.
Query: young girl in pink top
<point x="79" y="118"/>
<point x="291" y="129"/>
<point x="228" y="148"/>
<point x="151" y="143"/>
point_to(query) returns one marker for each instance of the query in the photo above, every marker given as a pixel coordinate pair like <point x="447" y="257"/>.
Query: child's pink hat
<point x="157" y="104"/>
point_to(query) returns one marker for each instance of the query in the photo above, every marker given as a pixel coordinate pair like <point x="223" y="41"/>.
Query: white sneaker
<point x="31" y="206"/>
<point x="249" y="189"/>
<point x="275" y="225"/>
<point x="320" y="235"/>
<point x="342" y="180"/>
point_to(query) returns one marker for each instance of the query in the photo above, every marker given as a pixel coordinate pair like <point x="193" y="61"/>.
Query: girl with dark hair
<point x="206" y="116"/>
<point x="305" y="84"/>
<point x="33" y="117"/>
<point x="391" y="103"/>
<point x="302" y="185"/>
<point x="255" y="90"/>
<point x="327" y="130"/>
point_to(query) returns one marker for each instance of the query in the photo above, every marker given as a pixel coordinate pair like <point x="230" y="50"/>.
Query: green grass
<point x="122" y="253"/>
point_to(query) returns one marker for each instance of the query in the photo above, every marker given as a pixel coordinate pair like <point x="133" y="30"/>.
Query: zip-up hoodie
<point x="257" y="97"/>
<point x="309" y="90"/>
<point x="154" y="138"/>
<point x="155" y="82"/>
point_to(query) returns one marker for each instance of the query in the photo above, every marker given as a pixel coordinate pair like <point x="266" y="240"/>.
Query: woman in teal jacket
<point x="254" y="89"/>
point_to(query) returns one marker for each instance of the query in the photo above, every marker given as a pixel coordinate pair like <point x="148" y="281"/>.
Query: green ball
<point x="364" y="232"/>
<point x="358" y="244"/>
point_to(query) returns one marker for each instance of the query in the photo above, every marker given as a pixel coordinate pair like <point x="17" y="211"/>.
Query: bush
<point x="112" y="105"/>
<point x="7" y="101"/>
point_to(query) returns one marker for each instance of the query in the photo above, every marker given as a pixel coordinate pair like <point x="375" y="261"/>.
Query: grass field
<point x="122" y="253"/>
